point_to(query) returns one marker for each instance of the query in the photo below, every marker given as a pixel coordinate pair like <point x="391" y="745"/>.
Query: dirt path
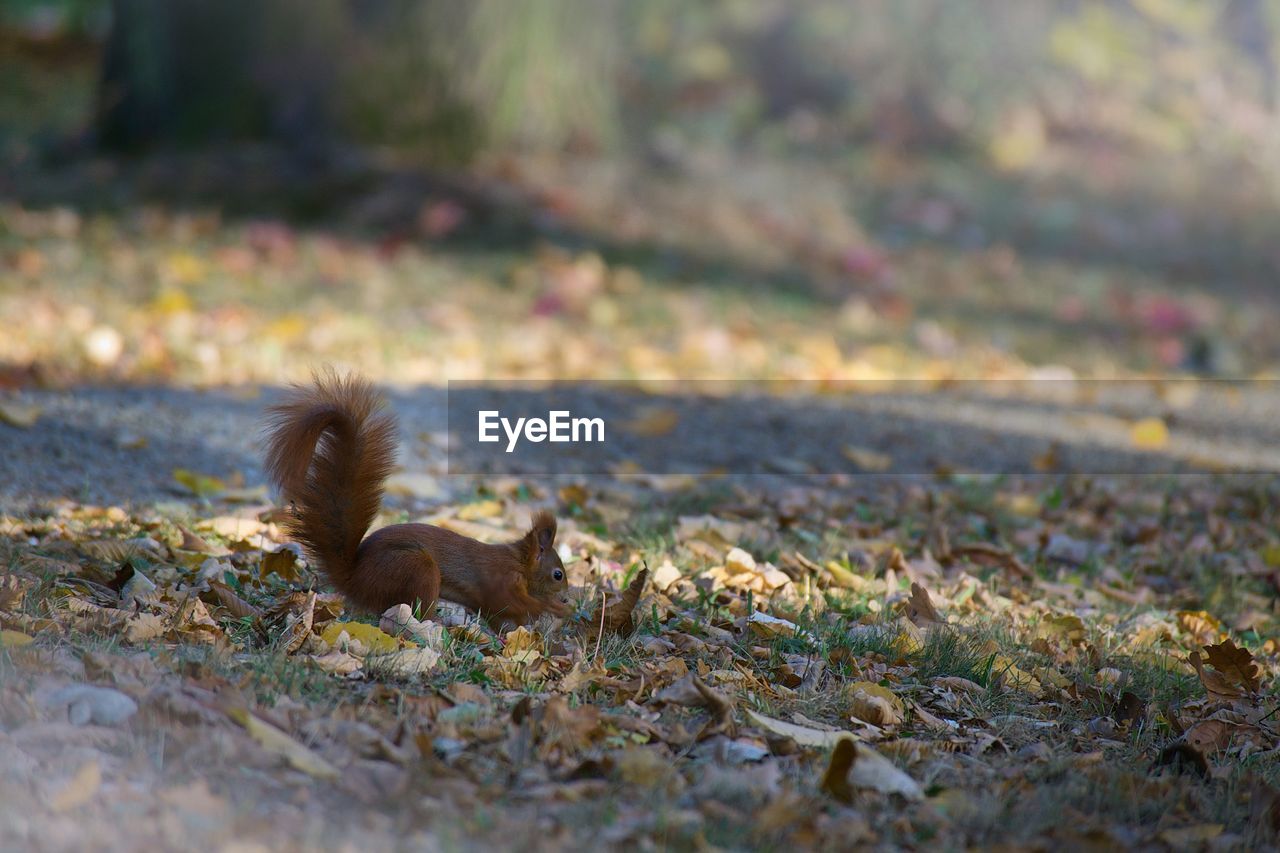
<point x="122" y="445"/>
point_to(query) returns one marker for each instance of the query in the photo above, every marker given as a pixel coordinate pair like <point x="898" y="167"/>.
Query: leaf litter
<point x="929" y="652"/>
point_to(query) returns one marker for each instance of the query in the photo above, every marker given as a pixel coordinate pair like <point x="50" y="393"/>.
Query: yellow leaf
<point x="480" y="509"/>
<point x="370" y="636"/>
<point x="1068" y="627"/>
<point x="653" y="422"/>
<point x="198" y="484"/>
<point x="287" y="328"/>
<point x="875" y="704"/>
<point x="1004" y="668"/>
<point x="1203" y="627"/>
<point x="867" y="460"/>
<point x="20" y="415"/>
<point x="276" y="741"/>
<point x="14" y="639"/>
<point x="1271" y="555"/>
<point x="80" y="789"/>
<point x="185" y="268"/>
<point x="521" y="640"/>
<point x="1189" y="836"/>
<point x="171" y="301"/>
<point x="1149" y="434"/>
<point x="909" y="640"/>
<point x="1057" y="679"/>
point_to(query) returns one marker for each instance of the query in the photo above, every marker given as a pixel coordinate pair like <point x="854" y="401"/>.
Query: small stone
<point x="88" y="704"/>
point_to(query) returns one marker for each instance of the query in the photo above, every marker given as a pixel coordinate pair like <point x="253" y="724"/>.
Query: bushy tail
<point x="330" y="447"/>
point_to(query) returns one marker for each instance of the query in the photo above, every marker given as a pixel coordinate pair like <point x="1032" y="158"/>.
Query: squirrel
<point x="330" y="447"/>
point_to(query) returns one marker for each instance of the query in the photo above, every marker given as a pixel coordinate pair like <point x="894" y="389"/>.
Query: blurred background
<point x="228" y="191"/>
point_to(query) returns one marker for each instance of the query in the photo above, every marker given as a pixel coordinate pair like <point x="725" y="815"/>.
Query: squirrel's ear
<point x="543" y="529"/>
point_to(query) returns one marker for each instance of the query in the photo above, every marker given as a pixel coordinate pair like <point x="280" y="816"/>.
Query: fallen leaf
<point x="835" y="781"/>
<point x="338" y="662"/>
<point x="404" y="663"/>
<point x="371" y="638"/>
<point x="1236" y="664"/>
<point x="236" y="605"/>
<point x="767" y="626"/>
<point x="920" y="609"/>
<point x="1215" y="683"/>
<point x="1189" y="836"/>
<point x="875" y="704"/>
<point x="665" y="575"/>
<point x="200" y="485"/>
<point x="280" y="743"/>
<point x="738" y="562"/>
<point x="194" y="542"/>
<point x="79" y="789"/>
<point x="1149" y="434"/>
<point x="283" y="562"/>
<point x="802" y="735"/>
<point x="856" y="765"/>
<point x="1067" y="627"/>
<point x="652" y="421"/>
<point x="14" y="639"/>
<point x="617" y="618"/>
<point x="872" y="461"/>
<point x="20" y="415"/>
<point x="298" y="625"/>
<point x="1201" y="625"/>
<point x="480" y="509"/>
<point x="1209" y="736"/>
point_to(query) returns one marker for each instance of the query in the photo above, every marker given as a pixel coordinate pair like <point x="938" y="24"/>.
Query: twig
<point x="600" y="636"/>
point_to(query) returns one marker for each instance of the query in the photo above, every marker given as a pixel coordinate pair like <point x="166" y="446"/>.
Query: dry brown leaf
<point x="1201" y="625"/>
<point x="1215" y="683"/>
<point x="298" y="627"/>
<point x="1235" y="663"/>
<point x="985" y="554"/>
<point x="13" y="589"/>
<point x="1209" y="736"/>
<point x="920" y="609"/>
<point x="875" y="704"/>
<point x="194" y="542"/>
<point x="236" y="605"/>
<point x="618" y="615"/>
<point x="283" y="563"/>
<point x="835" y="781"/>
<point x="857" y="765"/>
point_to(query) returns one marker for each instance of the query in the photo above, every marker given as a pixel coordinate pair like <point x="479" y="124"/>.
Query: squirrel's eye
<point x="558" y="575"/>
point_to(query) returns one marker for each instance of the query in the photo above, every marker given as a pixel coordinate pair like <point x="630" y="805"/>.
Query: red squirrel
<point x="330" y="447"/>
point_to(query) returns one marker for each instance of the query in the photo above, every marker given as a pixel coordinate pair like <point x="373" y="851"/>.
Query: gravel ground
<point x="121" y="445"/>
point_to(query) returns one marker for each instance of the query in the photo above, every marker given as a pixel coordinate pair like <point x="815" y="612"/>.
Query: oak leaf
<point x="1235" y="663"/>
<point x="920" y="609"/>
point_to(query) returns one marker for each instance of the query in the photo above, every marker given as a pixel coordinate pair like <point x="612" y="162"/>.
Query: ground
<point x="1036" y="586"/>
